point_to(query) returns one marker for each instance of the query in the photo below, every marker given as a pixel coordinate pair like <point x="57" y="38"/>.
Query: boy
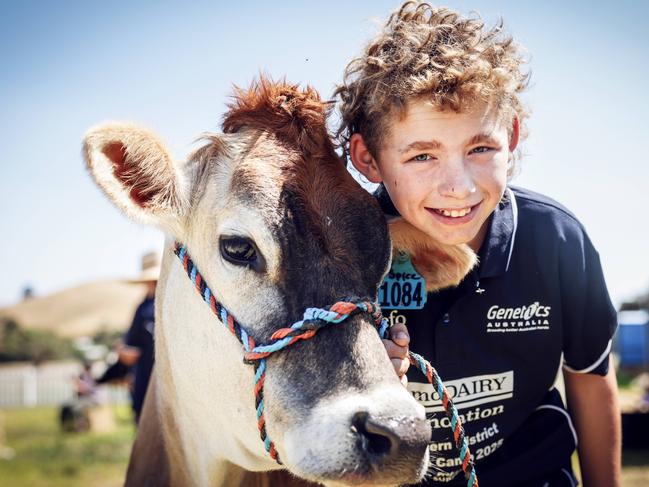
<point x="431" y="111"/>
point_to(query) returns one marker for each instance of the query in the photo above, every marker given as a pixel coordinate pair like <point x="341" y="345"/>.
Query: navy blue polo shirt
<point x="140" y="335"/>
<point x="536" y="302"/>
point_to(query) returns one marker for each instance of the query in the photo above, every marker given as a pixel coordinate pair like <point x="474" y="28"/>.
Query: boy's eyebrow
<point x="421" y="145"/>
<point x="483" y="137"/>
<point x="435" y="145"/>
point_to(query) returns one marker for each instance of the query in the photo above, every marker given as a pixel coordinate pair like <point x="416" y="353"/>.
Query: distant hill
<point x="81" y="310"/>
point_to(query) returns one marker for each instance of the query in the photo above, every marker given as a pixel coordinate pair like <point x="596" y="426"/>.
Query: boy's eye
<point x="421" y="158"/>
<point x="480" y="150"/>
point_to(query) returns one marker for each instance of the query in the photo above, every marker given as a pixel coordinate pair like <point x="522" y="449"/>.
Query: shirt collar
<point x="383" y="198"/>
<point x="496" y="250"/>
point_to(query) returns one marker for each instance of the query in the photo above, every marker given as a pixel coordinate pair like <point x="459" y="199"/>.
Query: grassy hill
<point x="81" y="310"/>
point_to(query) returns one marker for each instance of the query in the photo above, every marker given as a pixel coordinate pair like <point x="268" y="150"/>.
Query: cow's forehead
<point x="284" y="183"/>
<point x="327" y="237"/>
<point x="260" y="173"/>
<point x="305" y="190"/>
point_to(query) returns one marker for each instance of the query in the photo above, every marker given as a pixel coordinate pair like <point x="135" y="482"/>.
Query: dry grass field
<point x="81" y="310"/>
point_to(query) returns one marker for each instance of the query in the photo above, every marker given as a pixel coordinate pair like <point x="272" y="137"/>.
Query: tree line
<point x="18" y="344"/>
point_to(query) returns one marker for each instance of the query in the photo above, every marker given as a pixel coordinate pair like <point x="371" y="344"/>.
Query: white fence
<point x="51" y="384"/>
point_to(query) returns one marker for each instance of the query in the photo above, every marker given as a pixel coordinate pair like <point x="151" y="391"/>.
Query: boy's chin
<point x="454" y="237"/>
<point x="470" y="234"/>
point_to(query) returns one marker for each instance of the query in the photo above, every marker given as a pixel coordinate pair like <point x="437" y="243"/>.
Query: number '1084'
<point x="395" y="294"/>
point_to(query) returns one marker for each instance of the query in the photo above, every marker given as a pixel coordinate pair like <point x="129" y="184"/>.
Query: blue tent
<point x="632" y="338"/>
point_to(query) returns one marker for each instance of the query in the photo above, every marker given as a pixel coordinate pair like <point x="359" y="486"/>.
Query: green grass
<point x="46" y="456"/>
<point x="625" y="378"/>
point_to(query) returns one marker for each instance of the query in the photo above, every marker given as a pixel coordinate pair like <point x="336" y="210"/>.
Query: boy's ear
<point x="363" y="160"/>
<point x="514" y="134"/>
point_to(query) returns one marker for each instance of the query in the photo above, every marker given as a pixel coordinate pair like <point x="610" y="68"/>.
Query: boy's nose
<point x="456" y="181"/>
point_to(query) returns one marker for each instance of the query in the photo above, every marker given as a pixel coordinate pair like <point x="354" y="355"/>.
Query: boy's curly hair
<point x="433" y="54"/>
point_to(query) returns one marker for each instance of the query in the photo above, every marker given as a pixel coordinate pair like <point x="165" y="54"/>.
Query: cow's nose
<point x="376" y="439"/>
<point x="382" y="437"/>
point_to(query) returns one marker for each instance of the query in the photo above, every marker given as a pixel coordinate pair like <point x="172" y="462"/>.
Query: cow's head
<point x="276" y="225"/>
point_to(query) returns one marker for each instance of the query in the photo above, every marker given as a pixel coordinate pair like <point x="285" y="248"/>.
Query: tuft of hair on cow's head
<point x="297" y="117"/>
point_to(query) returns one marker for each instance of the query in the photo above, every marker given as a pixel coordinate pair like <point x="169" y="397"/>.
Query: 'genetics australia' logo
<point x="523" y="318"/>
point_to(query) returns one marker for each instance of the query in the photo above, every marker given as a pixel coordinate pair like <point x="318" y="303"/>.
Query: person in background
<point x="84" y="384"/>
<point x="137" y="351"/>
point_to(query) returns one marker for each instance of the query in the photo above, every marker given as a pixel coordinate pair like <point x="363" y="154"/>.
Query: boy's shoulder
<point x="534" y="201"/>
<point x="539" y="210"/>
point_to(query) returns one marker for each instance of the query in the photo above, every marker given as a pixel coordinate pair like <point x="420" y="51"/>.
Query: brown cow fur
<point x="440" y="265"/>
<point x="275" y="478"/>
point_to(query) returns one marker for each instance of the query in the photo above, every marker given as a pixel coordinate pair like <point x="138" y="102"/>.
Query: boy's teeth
<point x="455" y="213"/>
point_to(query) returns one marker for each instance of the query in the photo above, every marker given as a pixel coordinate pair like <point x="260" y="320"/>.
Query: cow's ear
<point x="138" y="174"/>
<point x="440" y="265"/>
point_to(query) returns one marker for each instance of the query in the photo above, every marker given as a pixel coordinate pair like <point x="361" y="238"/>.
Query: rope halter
<point x="313" y="320"/>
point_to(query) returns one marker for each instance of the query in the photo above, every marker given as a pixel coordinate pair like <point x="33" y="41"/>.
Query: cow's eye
<point x="241" y="251"/>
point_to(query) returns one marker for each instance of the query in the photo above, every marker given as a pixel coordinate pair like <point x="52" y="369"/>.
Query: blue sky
<point x="170" y="66"/>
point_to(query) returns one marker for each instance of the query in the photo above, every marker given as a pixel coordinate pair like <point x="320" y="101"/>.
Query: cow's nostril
<point x="374" y="438"/>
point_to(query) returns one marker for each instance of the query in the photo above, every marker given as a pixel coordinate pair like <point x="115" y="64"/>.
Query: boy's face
<point x="444" y="171"/>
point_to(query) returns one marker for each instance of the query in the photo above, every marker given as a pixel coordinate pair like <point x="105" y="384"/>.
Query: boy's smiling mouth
<point x="454" y="215"/>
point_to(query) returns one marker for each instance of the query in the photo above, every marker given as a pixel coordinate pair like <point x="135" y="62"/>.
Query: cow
<point x="273" y="223"/>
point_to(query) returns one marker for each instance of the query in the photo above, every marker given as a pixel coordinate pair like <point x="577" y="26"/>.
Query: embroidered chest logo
<point x="403" y="287"/>
<point x="523" y="318"/>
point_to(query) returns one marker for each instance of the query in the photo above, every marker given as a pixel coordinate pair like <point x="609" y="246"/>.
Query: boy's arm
<point x="594" y="407"/>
